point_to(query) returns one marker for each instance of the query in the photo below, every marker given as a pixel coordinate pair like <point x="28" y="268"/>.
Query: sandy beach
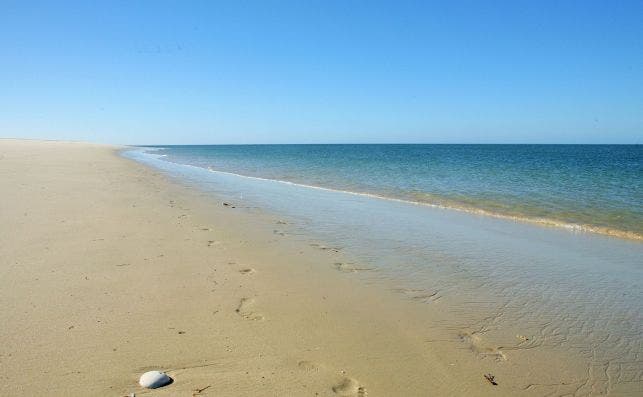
<point x="111" y="269"/>
<point x="324" y="199"/>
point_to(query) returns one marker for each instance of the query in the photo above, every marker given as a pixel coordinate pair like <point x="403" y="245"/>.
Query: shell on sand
<point x="154" y="379"/>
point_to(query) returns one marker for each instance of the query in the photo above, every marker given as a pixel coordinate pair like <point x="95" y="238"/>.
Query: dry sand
<point x="110" y="269"/>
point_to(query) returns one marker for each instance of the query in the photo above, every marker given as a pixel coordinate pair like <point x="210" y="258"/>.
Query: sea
<point x="543" y="242"/>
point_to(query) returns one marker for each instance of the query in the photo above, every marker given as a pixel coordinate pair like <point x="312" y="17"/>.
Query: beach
<point x="111" y="268"/>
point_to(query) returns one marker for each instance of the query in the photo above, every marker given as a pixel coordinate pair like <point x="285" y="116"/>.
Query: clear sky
<point x="322" y="71"/>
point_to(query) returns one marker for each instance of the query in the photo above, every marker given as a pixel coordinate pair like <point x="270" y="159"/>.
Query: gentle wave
<point x="585" y="228"/>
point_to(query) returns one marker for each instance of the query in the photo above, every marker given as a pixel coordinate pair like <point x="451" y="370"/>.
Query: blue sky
<point x="322" y="71"/>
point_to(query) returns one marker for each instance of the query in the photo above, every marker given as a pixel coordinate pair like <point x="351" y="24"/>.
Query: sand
<point x="110" y="269"/>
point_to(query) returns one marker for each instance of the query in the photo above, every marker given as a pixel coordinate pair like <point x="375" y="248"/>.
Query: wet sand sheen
<point x="110" y="270"/>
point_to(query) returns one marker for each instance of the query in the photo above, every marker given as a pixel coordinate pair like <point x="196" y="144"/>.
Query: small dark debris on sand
<point x="228" y="205"/>
<point x="196" y="392"/>
<point x="491" y="379"/>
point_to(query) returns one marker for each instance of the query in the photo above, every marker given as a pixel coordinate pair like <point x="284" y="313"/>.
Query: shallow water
<point x="592" y="187"/>
<point x="516" y="285"/>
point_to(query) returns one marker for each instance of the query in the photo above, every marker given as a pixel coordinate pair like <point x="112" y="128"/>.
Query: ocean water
<point x="572" y="293"/>
<point x="587" y="187"/>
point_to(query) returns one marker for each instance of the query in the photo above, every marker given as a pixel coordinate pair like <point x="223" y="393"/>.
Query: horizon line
<point x="383" y="143"/>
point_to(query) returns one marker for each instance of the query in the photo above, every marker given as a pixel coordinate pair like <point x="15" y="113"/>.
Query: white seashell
<point x="154" y="379"/>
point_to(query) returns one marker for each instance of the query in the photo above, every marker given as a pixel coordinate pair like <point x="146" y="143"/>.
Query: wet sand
<point x="110" y="269"/>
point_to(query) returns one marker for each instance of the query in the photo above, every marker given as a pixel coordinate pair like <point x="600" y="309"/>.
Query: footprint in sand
<point x="245" y="310"/>
<point x="427" y="297"/>
<point x="325" y="248"/>
<point x="349" y="387"/>
<point x="309" y="366"/>
<point x="349" y="267"/>
<point x="420" y="294"/>
<point x="344" y="387"/>
<point x="478" y="346"/>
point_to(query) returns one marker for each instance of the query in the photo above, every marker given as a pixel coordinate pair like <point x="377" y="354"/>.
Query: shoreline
<point x="113" y="269"/>
<point x="537" y="221"/>
<point x="543" y="222"/>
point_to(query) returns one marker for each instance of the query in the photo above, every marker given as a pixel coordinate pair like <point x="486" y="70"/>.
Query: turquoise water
<point x="575" y="296"/>
<point x="587" y="187"/>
